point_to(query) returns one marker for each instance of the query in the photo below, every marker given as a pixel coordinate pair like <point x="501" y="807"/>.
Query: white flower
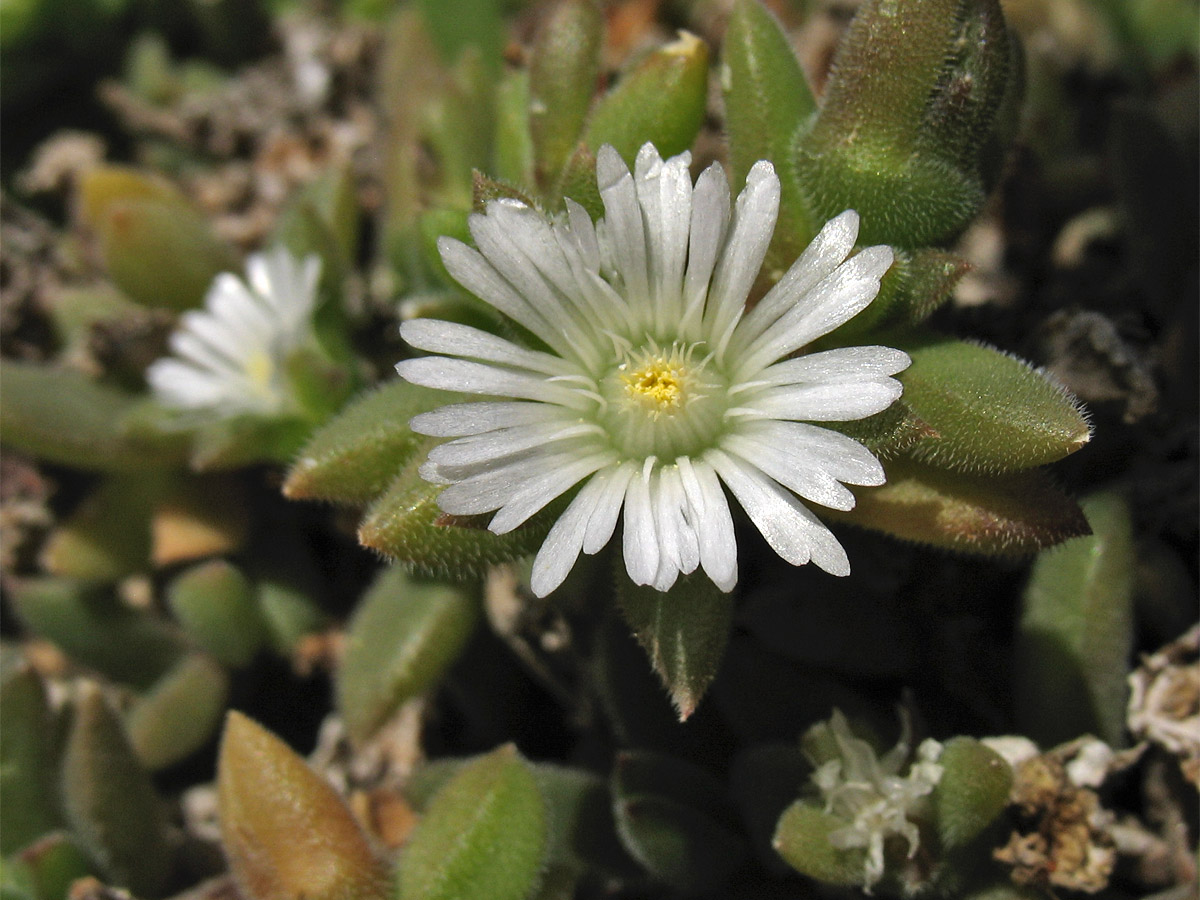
<point x="870" y="793"/>
<point x="230" y="356"/>
<point x="658" y="386"/>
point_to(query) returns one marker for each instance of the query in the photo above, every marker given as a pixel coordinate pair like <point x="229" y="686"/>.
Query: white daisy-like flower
<point x="230" y="357"/>
<point x="658" y="385"/>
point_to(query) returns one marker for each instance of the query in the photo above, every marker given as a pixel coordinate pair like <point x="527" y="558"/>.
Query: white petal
<point x="842" y="457"/>
<point x="714" y="524"/>
<point x="495" y="486"/>
<point x="583" y="232"/>
<point x="710" y="220"/>
<point x="480" y="378"/>
<point x="549" y="483"/>
<point x="741" y="259"/>
<point x="665" y="194"/>
<point x="603" y="521"/>
<point x="560" y="550"/>
<point x="844" y="364"/>
<point x="827" y="251"/>
<point x="495" y="445"/>
<point x="640" y="542"/>
<point x="462" y="419"/>
<point x="792" y="531"/>
<point x="624" y="228"/>
<point x="454" y="339"/>
<point x="792" y="468"/>
<point x="180" y="385"/>
<point x="837" y="299"/>
<point x="828" y="402"/>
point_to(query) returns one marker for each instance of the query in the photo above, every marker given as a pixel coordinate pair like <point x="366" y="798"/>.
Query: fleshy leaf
<point x="405" y="633"/>
<point x="993" y="515"/>
<point x="483" y="838"/>
<point x="662" y="100"/>
<point x="802" y="839"/>
<point x="676" y="821"/>
<point x="214" y="603"/>
<point x="289" y="612"/>
<point x="992" y="412"/>
<point x="512" y="147"/>
<point x="285" y="831"/>
<point x="94" y="629"/>
<point x="44" y="870"/>
<point x="767" y="101"/>
<point x="972" y="791"/>
<point x="1076" y="632"/>
<point x="406" y="525"/>
<point x="683" y="630"/>
<point x="157" y="247"/>
<point x="323" y="218"/>
<point x="889" y="433"/>
<point x="563" y="71"/>
<point x="911" y="291"/>
<point x="67" y="418"/>
<point x="354" y="457"/>
<point x="110" y="801"/>
<point x="108" y="536"/>
<point x="28" y="801"/>
<point x="179" y="714"/>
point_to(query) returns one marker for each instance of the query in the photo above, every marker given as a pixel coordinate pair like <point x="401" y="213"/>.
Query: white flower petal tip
<point x="229" y="357"/>
<point x="659" y="396"/>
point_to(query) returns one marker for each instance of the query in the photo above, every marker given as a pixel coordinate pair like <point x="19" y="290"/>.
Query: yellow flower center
<point x="658" y="385"/>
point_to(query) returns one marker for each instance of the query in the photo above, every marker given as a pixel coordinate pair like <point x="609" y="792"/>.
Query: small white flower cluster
<point x="659" y="390"/>
<point x="869" y="792"/>
<point x="230" y="357"/>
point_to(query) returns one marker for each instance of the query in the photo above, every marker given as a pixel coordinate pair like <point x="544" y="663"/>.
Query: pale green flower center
<point x="664" y="401"/>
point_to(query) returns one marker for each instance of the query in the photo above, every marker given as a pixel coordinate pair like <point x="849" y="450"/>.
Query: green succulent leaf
<point x="323" y="218"/>
<point x="675" y="820"/>
<point x="767" y="102"/>
<point x="94" y="629"/>
<point x="994" y="515"/>
<point x="662" y="101"/>
<point x="684" y="631"/>
<point x="459" y="26"/>
<point x="802" y="839"/>
<point x="28" y="760"/>
<point x="512" y="147"/>
<point x="484" y="836"/>
<point x="290" y="613"/>
<point x="214" y="603"/>
<point x="354" y="457"/>
<point x="110" y="801"/>
<point x="180" y="713"/>
<point x="44" y="870"/>
<point x="406" y="525"/>
<point x="404" y="635"/>
<point x="993" y="412"/>
<point x="972" y="792"/>
<point x="563" y="72"/>
<point x="158" y="249"/>
<point x="65" y="417"/>
<point x="285" y="831"/>
<point x="1076" y="631"/>
<point x="916" y="285"/>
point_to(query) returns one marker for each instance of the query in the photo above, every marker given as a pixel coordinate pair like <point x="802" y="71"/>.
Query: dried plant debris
<point x="1164" y="701"/>
<point x="1068" y="843"/>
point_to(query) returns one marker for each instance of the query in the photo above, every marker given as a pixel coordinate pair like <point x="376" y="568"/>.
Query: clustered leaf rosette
<point x="658" y="385"/>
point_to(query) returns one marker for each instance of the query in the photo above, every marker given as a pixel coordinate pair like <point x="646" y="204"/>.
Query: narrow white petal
<point x="184" y="386"/>
<point x="480" y="378"/>
<point x="742" y="256"/>
<point x="664" y="191"/>
<point x="837" y="299"/>
<point x="549" y="483"/>
<point x="624" y="228"/>
<point x="710" y="220"/>
<point x="793" y="469"/>
<point x="603" y="520"/>
<point x="495" y="445"/>
<point x="494" y="486"/>
<point x="640" y="542"/>
<point x="845" y="364"/>
<point x="714" y="524"/>
<point x="454" y="339"/>
<point x="561" y="548"/>
<point x="188" y="345"/>
<point x="461" y="419"/>
<point x="828" y="250"/>
<point x="842" y="457"/>
<point x="828" y="402"/>
<point x="469" y="268"/>
<point x="584" y="234"/>
<point x="677" y="536"/>
<point x="792" y="531"/>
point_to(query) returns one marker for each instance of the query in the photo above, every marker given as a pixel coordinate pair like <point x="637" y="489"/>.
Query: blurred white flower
<point x="869" y="792"/>
<point x="229" y="358"/>
<point x="657" y="385"/>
